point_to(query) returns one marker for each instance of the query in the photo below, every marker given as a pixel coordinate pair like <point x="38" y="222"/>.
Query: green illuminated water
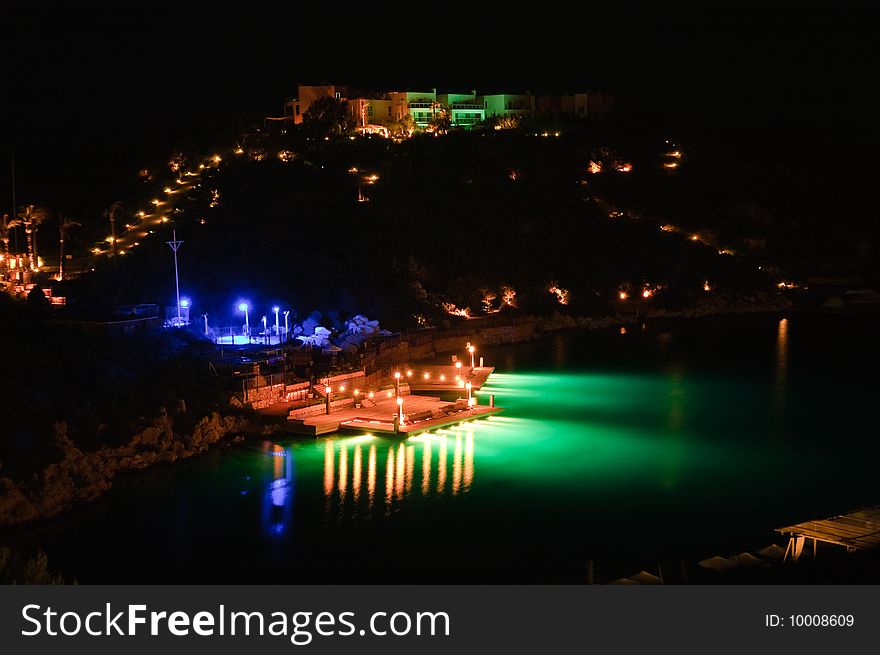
<point x="686" y="440"/>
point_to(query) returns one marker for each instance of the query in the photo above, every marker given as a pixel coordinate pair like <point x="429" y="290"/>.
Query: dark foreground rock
<point x="84" y="476"/>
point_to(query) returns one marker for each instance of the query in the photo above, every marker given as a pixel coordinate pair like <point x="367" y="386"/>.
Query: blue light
<point x="276" y="309"/>
<point x="184" y="302"/>
<point x="243" y="306"/>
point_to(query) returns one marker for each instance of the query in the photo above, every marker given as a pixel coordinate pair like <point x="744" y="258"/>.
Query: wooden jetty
<point x="857" y="530"/>
<point x="421" y="413"/>
<point x="442" y="378"/>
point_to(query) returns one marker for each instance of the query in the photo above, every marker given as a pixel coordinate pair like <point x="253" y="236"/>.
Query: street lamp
<point x="468" y="386"/>
<point x="243" y="307"/>
<point x="399" y="411"/>
<point x="206" y="324"/>
<point x="264" y="327"/>
<point x="286" y="313"/>
<point x="471" y="350"/>
<point x="397" y="383"/>
<point x="327" y="391"/>
<point x="276" y="309"/>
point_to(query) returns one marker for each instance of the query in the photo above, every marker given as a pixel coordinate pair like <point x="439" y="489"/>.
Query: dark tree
<point x="327" y="117"/>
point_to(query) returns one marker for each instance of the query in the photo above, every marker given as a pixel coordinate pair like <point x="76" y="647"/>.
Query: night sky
<point x="92" y="91"/>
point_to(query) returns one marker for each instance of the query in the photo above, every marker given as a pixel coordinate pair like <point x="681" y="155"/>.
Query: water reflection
<point x="416" y="468"/>
<point x="277" y="501"/>
<point x="781" y="364"/>
<point x="674" y="445"/>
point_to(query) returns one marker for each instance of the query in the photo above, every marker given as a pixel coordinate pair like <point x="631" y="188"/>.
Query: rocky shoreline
<point x="81" y="476"/>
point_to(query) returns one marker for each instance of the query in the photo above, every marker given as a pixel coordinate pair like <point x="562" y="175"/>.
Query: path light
<point x="370" y="395"/>
<point x="341" y="388"/>
<point x="357" y="392"/>
<point x="442" y="378"/>
<point x="409" y="374"/>
<point x="243" y="307"/>
<point x="426" y="375"/>
<point x="458" y="364"/>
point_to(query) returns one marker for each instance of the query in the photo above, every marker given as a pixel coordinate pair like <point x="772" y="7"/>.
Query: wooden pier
<point x="858" y="530"/>
<point x="421" y="413"/>
<point x="442" y="378"/>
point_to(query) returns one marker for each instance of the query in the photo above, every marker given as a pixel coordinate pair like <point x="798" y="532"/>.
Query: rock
<point x="80" y="477"/>
<point x="15" y="507"/>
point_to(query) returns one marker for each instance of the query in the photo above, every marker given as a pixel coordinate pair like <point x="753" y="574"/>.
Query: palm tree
<point x="30" y="217"/>
<point x="64" y="227"/>
<point x="112" y="213"/>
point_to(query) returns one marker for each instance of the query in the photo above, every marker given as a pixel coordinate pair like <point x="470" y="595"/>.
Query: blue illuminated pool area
<point x="686" y="439"/>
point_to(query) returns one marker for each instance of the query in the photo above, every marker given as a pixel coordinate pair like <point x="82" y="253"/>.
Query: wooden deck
<point x="421" y="413"/>
<point x="476" y="376"/>
<point x="858" y="530"/>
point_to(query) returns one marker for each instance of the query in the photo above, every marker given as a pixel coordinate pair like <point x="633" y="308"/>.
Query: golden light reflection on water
<point x="469" y="461"/>
<point x="781" y="362"/>
<point x="371" y="476"/>
<point x="398" y="486"/>
<point x="343" y="471"/>
<point x="402" y="469"/>
<point x="426" y="467"/>
<point x="410" y="465"/>
<point x="328" y="468"/>
<point x="441" y="467"/>
<point x="356" y="474"/>
<point x="389" y="479"/>
<point x="456" y="465"/>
